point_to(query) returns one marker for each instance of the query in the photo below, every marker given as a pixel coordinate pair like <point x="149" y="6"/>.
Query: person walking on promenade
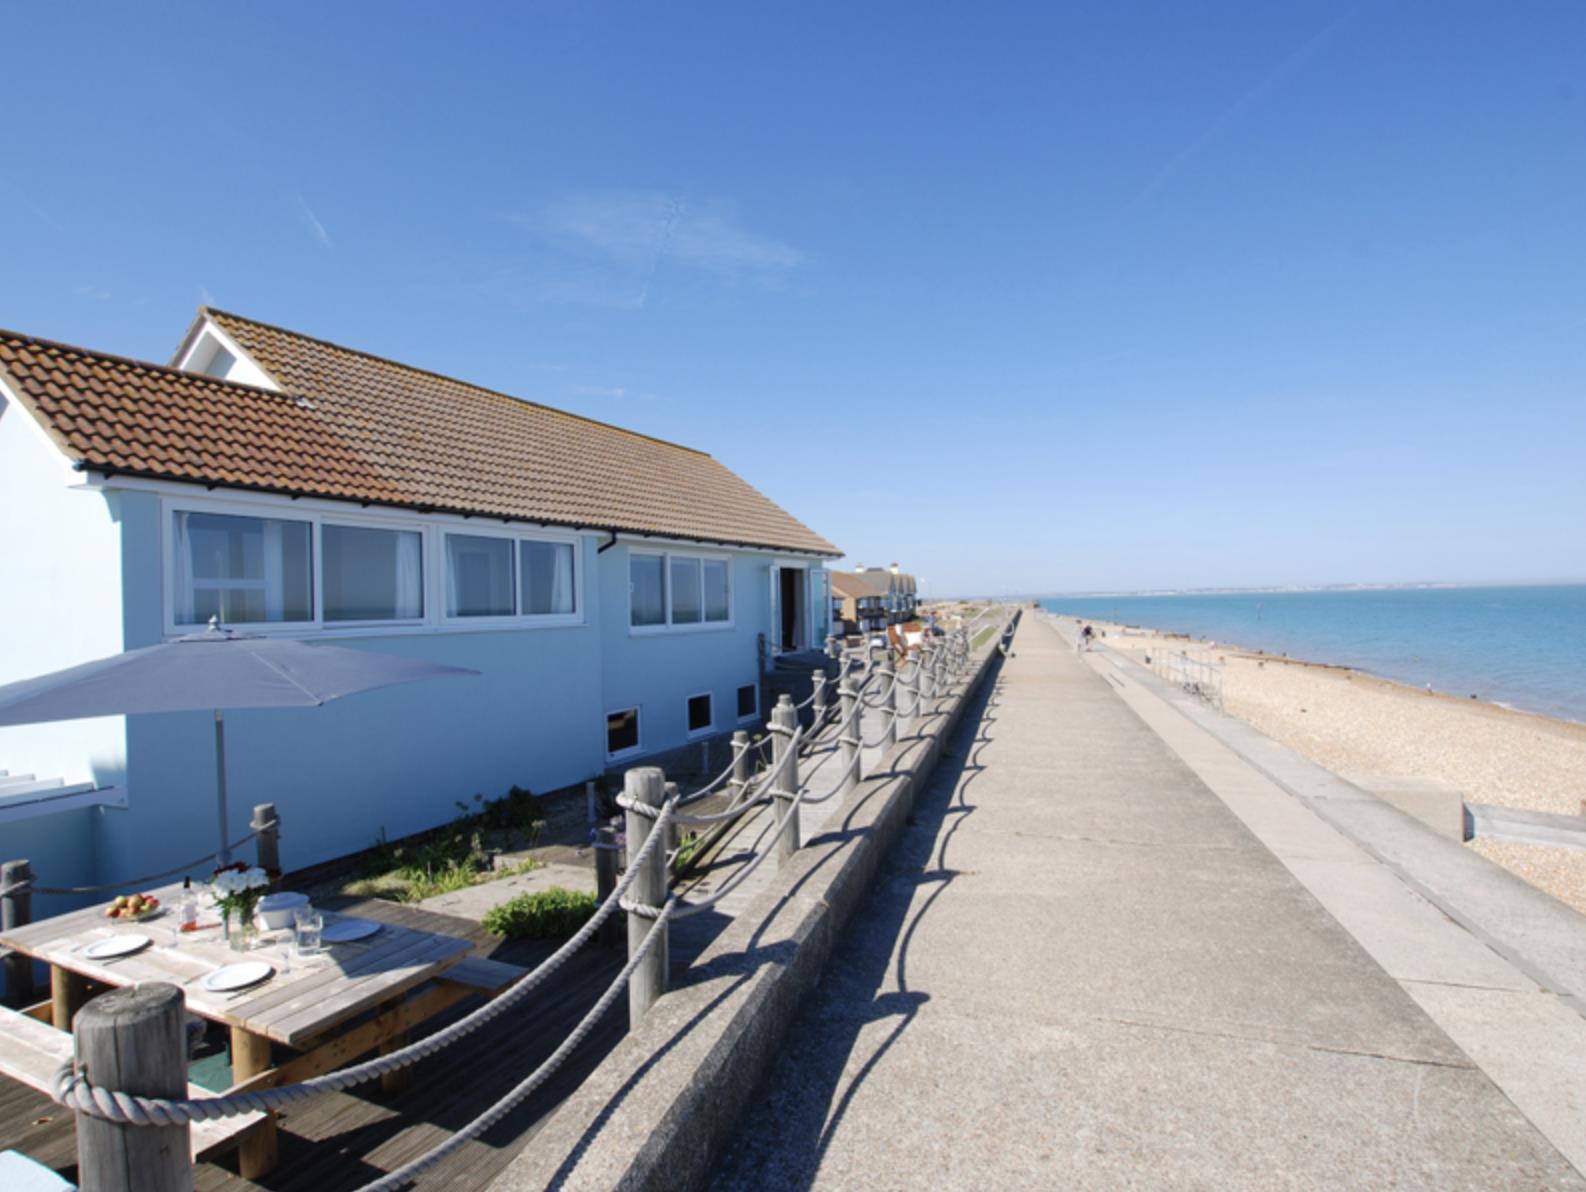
<point x="1085" y="636"/>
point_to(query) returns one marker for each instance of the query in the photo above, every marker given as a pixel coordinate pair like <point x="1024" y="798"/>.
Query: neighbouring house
<point x="859" y="602"/>
<point x="871" y="598"/>
<point x="620" y="595"/>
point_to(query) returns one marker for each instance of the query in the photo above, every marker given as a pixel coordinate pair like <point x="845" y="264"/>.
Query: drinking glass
<point x="307" y="924"/>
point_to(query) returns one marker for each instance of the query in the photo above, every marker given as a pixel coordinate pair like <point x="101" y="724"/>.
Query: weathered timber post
<point x="849" y="732"/>
<point x="16" y="910"/>
<point x="927" y="660"/>
<point x="832" y="648"/>
<point x="133" y="1040"/>
<point x="739" y="781"/>
<point x="646" y="785"/>
<point x="674" y="830"/>
<point x="606" y="879"/>
<point x="889" y="707"/>
<point x="818" y="699"/>
<point x="785" y="763"/>
<point x="268" y="826"/>
<point x="909" y="680"/>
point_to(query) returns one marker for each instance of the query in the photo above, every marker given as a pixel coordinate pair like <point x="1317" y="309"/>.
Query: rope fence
<point x="866" y="689"/>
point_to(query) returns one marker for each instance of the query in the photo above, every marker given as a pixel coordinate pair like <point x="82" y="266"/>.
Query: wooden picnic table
<point x="308" y="1005"/>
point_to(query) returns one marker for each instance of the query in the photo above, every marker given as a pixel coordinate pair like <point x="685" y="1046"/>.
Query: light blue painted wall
<point x="398" y="759"/>
<point x="402" y="758"/>
<point x="657" y="672"/>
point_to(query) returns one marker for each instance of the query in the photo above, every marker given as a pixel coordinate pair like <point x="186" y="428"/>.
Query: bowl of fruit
<point x="133" y="908"/>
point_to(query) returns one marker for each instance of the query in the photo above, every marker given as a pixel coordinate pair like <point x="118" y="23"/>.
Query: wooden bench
<point x="485" y="975"/>
<point x="32" y="1051"/>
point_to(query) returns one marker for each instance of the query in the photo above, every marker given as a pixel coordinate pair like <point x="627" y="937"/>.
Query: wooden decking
<point x="343" y="1140"/>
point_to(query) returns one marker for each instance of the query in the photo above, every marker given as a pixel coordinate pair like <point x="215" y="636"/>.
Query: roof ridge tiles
<point x="207" y="309"/>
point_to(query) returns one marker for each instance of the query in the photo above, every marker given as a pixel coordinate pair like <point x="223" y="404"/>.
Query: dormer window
<point x="220" y="363"/>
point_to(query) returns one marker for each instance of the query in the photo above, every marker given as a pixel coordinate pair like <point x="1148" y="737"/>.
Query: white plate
<point x="236" y="976"/>
<point x="344" y="931"/>
<point x="116" y="945"/>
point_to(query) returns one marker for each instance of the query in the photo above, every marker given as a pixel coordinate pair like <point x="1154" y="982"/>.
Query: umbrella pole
<point x="223" y="854"/>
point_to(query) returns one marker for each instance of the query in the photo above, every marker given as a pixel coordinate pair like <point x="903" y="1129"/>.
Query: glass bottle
<point x="187" y="908"/>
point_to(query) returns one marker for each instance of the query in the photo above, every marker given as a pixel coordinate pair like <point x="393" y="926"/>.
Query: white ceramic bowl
<point x="275" y="910"/>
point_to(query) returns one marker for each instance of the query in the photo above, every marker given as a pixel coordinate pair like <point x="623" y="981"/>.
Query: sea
<point x="1524" y="647"/>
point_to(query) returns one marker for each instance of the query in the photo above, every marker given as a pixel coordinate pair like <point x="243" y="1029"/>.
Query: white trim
<point x="16" y="407"/>
<point x="15" y="808"/>
<point x="710" y="726"/>
<point x="220" y="335"/>
<point x="633" y="750"/>
<point x="91" y="477"/>
<point x="432" y="530"/>
<point x="700" y="626"/>
<point x="754" y="715"/>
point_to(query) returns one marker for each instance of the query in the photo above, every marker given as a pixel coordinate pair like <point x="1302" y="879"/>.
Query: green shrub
<point x="546" y="915"/>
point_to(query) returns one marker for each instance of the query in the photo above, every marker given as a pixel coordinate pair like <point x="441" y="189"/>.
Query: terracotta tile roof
<point x="857" y="586"/>
<point x="355" y="427"/>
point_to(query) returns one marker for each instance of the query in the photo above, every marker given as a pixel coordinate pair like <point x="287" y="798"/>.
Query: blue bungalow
<point x="620" y="595"/>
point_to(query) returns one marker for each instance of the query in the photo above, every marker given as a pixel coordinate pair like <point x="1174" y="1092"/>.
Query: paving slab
<point x="1081" y="969"/>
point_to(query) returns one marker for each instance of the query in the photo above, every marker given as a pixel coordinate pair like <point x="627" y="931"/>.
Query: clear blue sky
<point x="1041" y="297"/>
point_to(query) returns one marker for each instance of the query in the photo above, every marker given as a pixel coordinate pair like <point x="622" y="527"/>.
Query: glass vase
<point x="239" y="929"/>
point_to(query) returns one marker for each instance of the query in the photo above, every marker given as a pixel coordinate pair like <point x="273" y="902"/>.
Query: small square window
<point x="748" y="701"/>
<point x="700" y="717"/>
<point x="622" y="731"/>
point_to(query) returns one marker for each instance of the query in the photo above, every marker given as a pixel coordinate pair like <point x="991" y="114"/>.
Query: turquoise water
<point x="1522" y="646"/>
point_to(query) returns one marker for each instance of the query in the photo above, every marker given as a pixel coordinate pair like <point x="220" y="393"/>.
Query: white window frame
<point x="432" y="528"/>
<point x="633" y="750"/>
<point x="695" y="733"/>
<point x="700" y="626"/>
<point x="319" y="576"/>
<point x="168" y="514"/>
<point x="750" y="716"/>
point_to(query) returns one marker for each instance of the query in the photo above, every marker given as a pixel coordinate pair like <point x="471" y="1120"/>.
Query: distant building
<point x="859" y="601"/>
<point x="871" y="598"/>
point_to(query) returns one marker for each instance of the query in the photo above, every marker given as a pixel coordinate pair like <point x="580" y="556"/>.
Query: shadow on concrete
<point x="783" y="1141"/>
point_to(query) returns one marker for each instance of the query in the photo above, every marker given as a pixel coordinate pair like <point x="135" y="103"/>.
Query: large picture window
<point x="678" y="590"/>
<point x="647" y="577"/>
<point x="372" y="575"/>
<point x="364" y="573"/>
<point x="547" y="578"/>
<point x="242" y="570"/>
<point x="479" y="577"/>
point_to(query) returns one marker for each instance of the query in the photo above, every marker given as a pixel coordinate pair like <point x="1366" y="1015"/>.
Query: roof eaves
<point x="109" y="472"/>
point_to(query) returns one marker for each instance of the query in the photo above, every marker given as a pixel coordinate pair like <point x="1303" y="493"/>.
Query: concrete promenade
<point x="1082" y="969"/>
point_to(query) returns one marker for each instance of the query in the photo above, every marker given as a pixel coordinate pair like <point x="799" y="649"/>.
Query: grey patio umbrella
<point x="216" y="669"/>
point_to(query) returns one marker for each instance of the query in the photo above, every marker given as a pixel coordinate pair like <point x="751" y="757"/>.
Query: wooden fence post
<point x="850" y="734"/>
<point x="889" y="706"/>
<point x="646" y="784"/>
<point x="268" y="826"/>
<point x="606" y="879"/>
<point x="818" y="697"/>
<point x="16" y="910"/>
<point x="784" y="724"/>
<point x="133" y="1040"/>
<point x="739" y="781"/>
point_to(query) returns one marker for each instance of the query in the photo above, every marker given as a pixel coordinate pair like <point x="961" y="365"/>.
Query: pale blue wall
<point x="397" y="759"/>
<point x="657" y="672"/>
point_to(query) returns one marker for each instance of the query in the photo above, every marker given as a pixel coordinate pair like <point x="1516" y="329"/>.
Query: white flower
<point x="233" y="882"/>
